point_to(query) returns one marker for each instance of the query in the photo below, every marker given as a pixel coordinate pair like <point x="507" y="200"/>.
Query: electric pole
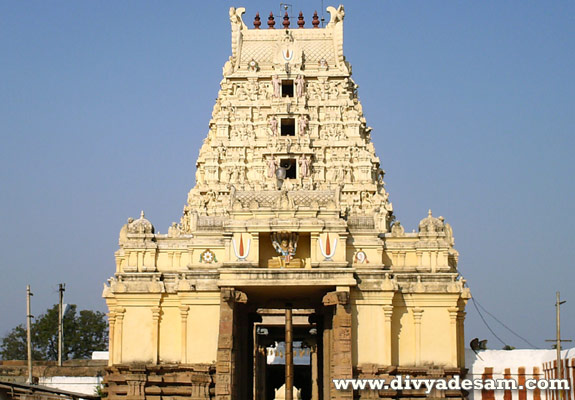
<point x="558" y="340"/>
<point x="61" y="289"/>
<point x="29" y="333"/>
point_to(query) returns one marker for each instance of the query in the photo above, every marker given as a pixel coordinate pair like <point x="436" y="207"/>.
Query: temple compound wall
<point x="288" y="268"/>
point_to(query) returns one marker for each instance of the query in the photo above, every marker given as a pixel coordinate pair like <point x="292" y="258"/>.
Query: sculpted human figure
<point x="299" y="85"/>
<point x="285" y="245"/>
<point x="304" y="166"/>
<point x="302" y="124"/>
<point x="228" y="68"/>
<point x="274" y="125"/>
<point x="276" y="83"/>
<point x="272" y="166"/>
<point x="288" y="145"/>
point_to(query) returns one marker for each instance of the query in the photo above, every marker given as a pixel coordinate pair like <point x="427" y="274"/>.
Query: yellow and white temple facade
<point x="288" y="238"/>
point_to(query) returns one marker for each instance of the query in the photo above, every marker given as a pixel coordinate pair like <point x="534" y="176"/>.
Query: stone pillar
<point x="289" y="367"/>
<point x="314" y="373"/>
<point x="260" y="371"/>
<point x="112" y="322"/>
<point x="254" y="255"/>
<point x="225" y="366"/>
<point x="156" y="311"/>
<point x="326" y="351"/>
<point x="388" y="313"/>
<point x="118" y="334"/>
<point x="340" y="362"/>
<point x="184" y="333"/>
<point x="417" y="314"/>
<point x="314" y="243"/>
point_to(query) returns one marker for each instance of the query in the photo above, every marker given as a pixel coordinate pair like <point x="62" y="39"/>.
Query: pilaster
<point x="417" y="314"/>
<point x="119" y="312"/>
<point x="112" y="322"/>
<point x="184" y="310"/>
<point x="453" y="311"/>
<point x="156" y="312"/>
<point x="388" y="314"/>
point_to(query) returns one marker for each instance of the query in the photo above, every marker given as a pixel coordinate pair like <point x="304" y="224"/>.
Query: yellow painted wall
<point x="436" y="336"/>
<point x="368" y="327"/>
<point x="137" y="341"/>
<point x="170" y="334"/>
<point x="203" y="330"/>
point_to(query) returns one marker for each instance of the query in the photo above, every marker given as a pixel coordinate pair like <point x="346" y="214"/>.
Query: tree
<point x="84" y="332"/>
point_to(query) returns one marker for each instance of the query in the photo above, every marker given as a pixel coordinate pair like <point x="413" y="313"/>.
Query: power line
<point x="486" y="324"/>
<point x="505" y="326"/>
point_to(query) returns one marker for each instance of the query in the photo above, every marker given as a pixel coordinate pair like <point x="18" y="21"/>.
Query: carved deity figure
<point x="221" y="151"/>
<point x="174" y="230"/>
<point x="274" y="125"/>
<point x="304" y="166"/>
<point x="276" y="83"/>
<point x="299" y="85"/>
<point x="302" y="124"/>
<point x="228" y="68"/>
<point x="272" y="166"/>
<point x="210" y="199"/>
<point x="285" y="245"/>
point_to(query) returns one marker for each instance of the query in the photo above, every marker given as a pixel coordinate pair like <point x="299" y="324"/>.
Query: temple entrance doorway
<point x="270" y="367"/>
<point x="286" y="334"/>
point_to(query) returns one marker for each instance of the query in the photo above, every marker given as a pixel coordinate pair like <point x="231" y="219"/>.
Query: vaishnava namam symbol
<point x="240" y="252"/>
<point x="329" y="250"/>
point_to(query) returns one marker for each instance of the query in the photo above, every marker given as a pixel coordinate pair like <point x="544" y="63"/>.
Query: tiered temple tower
<point x="287" y="240"/>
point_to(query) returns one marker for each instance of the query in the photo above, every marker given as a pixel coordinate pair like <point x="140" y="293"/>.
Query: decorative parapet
<point x="323" y="48"/>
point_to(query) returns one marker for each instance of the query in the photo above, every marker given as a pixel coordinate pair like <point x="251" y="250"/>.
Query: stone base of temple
<point x="371" y="371"/>
<point x="155" y="382"/>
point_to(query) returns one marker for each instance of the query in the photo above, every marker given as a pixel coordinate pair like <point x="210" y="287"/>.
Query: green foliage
<point x="508" y="347"/>
<point x="84" y="332"/>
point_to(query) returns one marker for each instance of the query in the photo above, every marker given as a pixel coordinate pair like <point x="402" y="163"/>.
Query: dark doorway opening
<point x="287" y="127"/>
<point x="290" y="165"/>
<point x="287" y="88"/>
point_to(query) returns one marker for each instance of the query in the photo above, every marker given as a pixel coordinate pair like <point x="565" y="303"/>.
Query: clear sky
<point x="104" y="105"/>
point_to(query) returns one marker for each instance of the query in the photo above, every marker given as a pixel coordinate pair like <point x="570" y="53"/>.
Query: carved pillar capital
<point x="119" y="312"/>
<point x="156" y="312"/>
<point x="184" y="310"/>
<point x="335" y="298"/>
<point x="231" y="295"/>
<point x="453" y="312"/>
<point x="388" y="312"/>
<point x="417" y="314"/>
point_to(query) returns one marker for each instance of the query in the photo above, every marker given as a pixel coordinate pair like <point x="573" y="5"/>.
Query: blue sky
<point x="103" y="107"/>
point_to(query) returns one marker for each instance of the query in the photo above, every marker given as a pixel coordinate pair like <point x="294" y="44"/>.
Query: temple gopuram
<point x="288" y="268"/>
